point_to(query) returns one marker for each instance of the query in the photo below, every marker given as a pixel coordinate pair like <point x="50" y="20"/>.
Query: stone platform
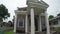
<point x="30" y="33"/>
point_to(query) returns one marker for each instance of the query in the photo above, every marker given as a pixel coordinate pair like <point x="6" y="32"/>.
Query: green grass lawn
<point x="9" y="32"/>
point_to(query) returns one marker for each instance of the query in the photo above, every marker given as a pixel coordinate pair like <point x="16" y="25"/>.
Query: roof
<point x="44" y="3"/>
<point x="23" y="8"/>
<point x="41" y="2"/>
<point x="54" y="18"/>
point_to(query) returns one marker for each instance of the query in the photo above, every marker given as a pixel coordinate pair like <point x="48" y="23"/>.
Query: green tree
<point x="3" y="12"/>
<point x="58" y="14"/>
<point x="51" y="16"/>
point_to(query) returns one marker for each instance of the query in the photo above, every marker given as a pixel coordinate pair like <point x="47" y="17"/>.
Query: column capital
<point x="32" y="7"/>
<point x="26" y="14"/>
<point x="42" y="14"/>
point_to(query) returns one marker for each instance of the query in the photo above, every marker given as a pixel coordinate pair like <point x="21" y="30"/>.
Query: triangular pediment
<point x="37" y="2"/>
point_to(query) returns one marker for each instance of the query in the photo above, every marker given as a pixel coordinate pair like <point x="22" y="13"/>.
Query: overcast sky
<point x="54" y="6"/>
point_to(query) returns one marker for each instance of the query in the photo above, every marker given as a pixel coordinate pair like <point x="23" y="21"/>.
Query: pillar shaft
<point x="40" y="23"/>
<point x="15" y="23"/>
<point x="26" y="24"/>
<point x="47" y="23"/>
<point x="32" y="22"/>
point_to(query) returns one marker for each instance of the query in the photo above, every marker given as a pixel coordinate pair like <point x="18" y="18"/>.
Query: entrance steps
<point x="30" y="33"/>
<point x="40" y="32"/>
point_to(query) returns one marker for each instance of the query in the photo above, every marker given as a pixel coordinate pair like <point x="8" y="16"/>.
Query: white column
<point x="40" y="23"/>
<point x="26" y="24"/>
<point x="15" y="23"/>
<point x="47" y="23"/>
<point x="32" y="22"/>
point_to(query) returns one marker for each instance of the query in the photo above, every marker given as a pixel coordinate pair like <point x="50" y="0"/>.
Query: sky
<point x="54" y="6"/>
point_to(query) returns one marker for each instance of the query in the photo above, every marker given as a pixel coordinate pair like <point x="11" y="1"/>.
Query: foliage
<point x="10" y="23"/>
<point x="3" y="23"/>
<point x="13" y="20"/>
<point x="51" y="16"/>
<point x="3" y="12"/>
<point x="58" y="14"/>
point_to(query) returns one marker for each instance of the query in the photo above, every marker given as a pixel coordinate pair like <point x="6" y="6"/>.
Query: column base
<point x="14" y="32"/>
<point x="39" y="33"/>
<point x="27" y="33"/>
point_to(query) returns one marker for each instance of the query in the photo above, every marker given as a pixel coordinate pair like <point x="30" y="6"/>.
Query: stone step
<point x="30" y="33"/>
<point x="39" y="32"/>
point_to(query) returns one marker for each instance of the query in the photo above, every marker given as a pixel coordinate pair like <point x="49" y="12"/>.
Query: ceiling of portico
<point x="38" y="11"/>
